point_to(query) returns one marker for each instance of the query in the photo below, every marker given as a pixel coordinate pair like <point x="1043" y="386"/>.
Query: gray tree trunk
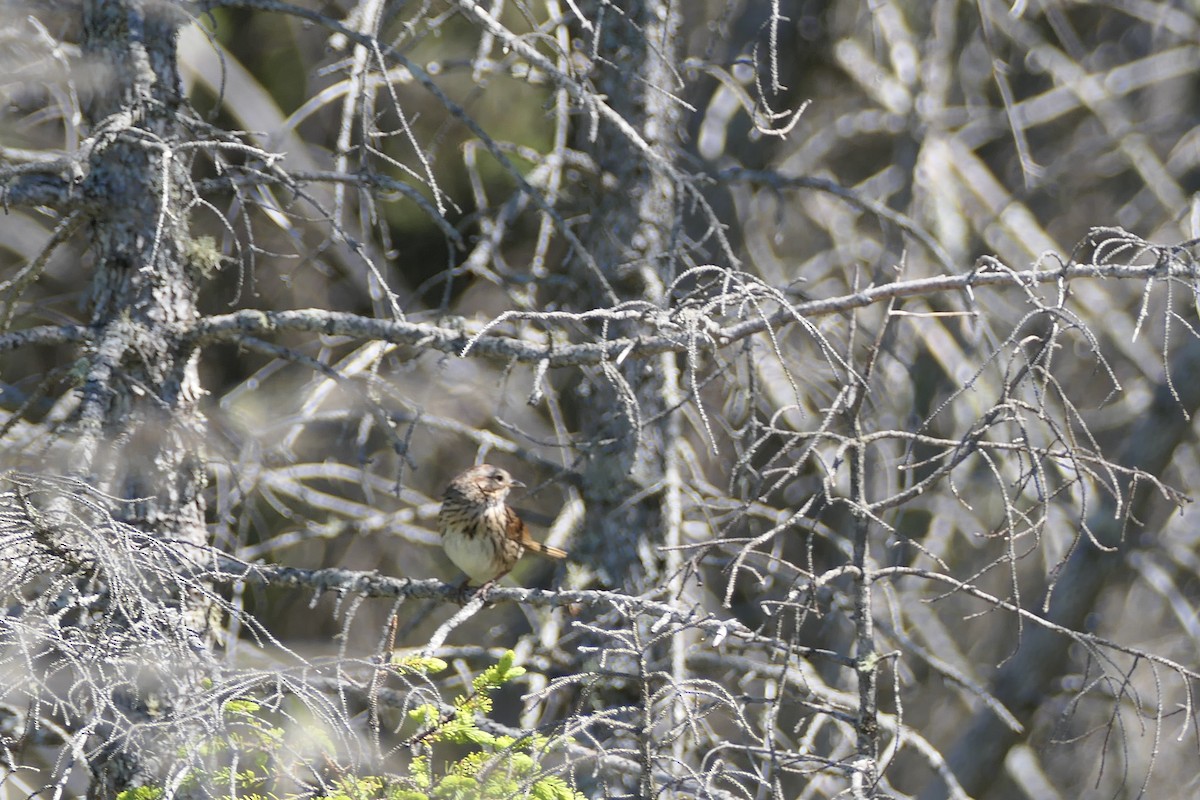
<point x="140" y="431"/>
<point x="624" y="408"/>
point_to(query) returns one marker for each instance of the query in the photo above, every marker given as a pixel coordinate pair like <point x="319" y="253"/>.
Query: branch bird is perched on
<point x="481" y="533"/>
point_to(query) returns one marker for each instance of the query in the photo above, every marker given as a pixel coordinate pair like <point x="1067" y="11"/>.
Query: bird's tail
<point x="545" y="549"/>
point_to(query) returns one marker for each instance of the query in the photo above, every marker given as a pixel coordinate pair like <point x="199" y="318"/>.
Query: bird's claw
<point x="465" y="592"/>
<point x="483" y="591"/>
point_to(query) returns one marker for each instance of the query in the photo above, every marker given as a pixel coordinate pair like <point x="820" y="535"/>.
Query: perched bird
<point x="481" y="533"/>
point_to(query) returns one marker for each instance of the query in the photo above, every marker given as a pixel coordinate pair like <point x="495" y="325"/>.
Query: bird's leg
<point x="483" y="590"/>
<point x="461" y="592"/>
<point x="486" y="588"/>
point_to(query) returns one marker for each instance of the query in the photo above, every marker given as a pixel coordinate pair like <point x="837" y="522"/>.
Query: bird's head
<point x="493" y="483"/>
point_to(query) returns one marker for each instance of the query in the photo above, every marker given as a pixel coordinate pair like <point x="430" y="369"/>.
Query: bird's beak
<point x="516" y="484"/>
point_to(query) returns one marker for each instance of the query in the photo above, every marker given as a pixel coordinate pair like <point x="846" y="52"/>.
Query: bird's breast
<point x="475" y="555"/>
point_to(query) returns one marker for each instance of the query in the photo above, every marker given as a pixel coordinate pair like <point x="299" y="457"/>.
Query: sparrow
<point x="481" y="533"/>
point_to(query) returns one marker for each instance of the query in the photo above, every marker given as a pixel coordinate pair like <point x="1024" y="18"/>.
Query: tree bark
<point x="629" y="237"/>
<point x="140" y="436"/>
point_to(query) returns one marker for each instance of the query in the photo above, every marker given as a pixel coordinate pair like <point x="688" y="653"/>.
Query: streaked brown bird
<point x="481" y="533"/>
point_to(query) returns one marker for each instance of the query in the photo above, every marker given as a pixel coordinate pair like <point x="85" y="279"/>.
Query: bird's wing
<point x="516" y="529"/>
